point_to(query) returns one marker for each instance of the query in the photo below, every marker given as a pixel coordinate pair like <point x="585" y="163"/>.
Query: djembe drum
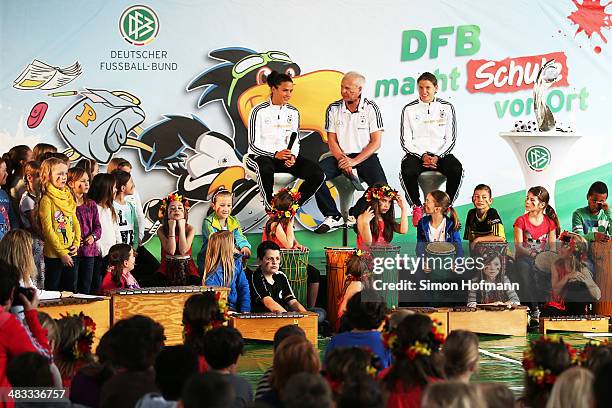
<point x="439" y="257"/>
<point x="336" y="258"/>
<point x="294" y="263"/>
<point x="177" y="270"/>
<point x="601" y="253"/>
<point x="389" y="275"/>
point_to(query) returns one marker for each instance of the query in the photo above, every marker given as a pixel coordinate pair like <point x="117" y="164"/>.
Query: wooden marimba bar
<point x="263" y="326"/>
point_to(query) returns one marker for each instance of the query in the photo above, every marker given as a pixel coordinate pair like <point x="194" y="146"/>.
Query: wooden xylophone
<point x="263" y="326"/>
<point x="97" y="309"/>
<point x="585" y="324"/>
<point x="489" y="319"/>
<point x="439" y="314"/>
<point x="163" y="304"/>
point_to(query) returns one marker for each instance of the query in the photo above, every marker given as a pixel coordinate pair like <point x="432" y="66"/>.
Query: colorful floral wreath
<point x="583" y="356"/>
<point x="376" y="193"/>
<point x="217" y="321"/>
<point x="577" y="248"/>
<point x="166" y="202"/>
<point x="371" y="370"/>
<point x="416" y="348"/>
<point x="538" y="374"/>
<point x="82" y="346"/>
<point x="291" y="211"/>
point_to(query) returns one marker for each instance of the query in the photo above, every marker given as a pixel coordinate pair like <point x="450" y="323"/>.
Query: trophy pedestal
<point x="540" y="155"/>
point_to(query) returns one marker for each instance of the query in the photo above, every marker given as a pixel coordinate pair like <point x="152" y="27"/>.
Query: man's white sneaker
<point x="330" y="223"/>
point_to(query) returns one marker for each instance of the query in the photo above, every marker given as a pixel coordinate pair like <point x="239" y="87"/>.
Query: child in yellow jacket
<point x="60" y="226"/>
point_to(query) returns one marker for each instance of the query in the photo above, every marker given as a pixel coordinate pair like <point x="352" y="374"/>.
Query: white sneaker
<point x="351" y="221"/>
<point x="330" y="223"/>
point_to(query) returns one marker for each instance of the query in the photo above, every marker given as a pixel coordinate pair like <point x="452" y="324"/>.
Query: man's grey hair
<point x="359" y="79"/>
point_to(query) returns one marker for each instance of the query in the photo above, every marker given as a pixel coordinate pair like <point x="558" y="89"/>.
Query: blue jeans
<point x="85" y="269"/>
<point x="60" y="277"/>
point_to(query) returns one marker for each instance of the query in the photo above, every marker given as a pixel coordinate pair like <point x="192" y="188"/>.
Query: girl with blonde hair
<point x="16" y="250"/>
<point x="222" y="268"/>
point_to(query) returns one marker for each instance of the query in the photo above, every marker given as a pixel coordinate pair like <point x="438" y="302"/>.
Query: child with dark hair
<point x="360" y="390"/>
<point x="544" y="360"/>
<point x="418" y="361"/>
<point x="594" y="221"/>
<point x="176" y="237"/>
<point x="223" y="346"/>
<point x="534" y="232"/>
<point x="103" y="192"/>
<point x="365" y="311"/>
<point x="16" y="158"/>
<point x="121" y="261"/>
<point x="272" y="291"/>
<point x="596" y="355"/>
<point x="376" y="221"/>
<point x="174" y="365"/>
<point x="281" y="334"/>
<point x="135" y="344"/>
<point x="210" y="390"/>
<point x="8" y="220"/>
<point x="29" y="370"/>
<point x="127" y="220"/>
<point x="601" y="386"/>
<point x="73" y="350"/>
<point x="492" y="272"/>
<point x="357" y="271"/>
<point x="345" y="362"/>
<point x="18" y="336"/>
<point x="461" y="355"/>
<point x="306" y="390"/>
<point x="279" y="229"/>
<point x="483" y="223"/>
<point x="201" y="313"/>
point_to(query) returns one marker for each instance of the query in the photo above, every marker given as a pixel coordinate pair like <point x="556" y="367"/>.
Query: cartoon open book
<point x="39" y="75"/>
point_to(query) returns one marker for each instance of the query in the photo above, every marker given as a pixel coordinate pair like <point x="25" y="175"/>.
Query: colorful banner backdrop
<point x="169" y="85"/>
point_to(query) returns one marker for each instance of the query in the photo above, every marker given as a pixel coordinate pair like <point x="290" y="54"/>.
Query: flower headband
<point x="376" y="193"/>
<point x="291" y="211"/>
<point x="166" y="202"/>
<point x="416" y="348"/>
<point x="82" y="346"/>
<point x="538" y="374"/>
<point x="217" y="321"/>
<point x="575" y="247"/>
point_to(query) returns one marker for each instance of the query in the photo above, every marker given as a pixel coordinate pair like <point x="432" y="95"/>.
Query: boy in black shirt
<point x="271" y="289"/>
<point x="483" y="223"/>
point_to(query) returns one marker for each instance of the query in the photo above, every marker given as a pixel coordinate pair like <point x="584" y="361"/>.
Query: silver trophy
<point x="548" y="74"/>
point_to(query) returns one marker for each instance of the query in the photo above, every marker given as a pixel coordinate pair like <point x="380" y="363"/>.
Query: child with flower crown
<point x="219" y="218"/>
<point x="176" y="237"/>
<point x="544" y="360"/>
<point x="572" y="284"/>
<point x="279" y="229"/>
<point x="202" y="312"/>
<point x="73" y="349"/>
<point x="415" y="344"/>
<point x="376" y="222"/>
